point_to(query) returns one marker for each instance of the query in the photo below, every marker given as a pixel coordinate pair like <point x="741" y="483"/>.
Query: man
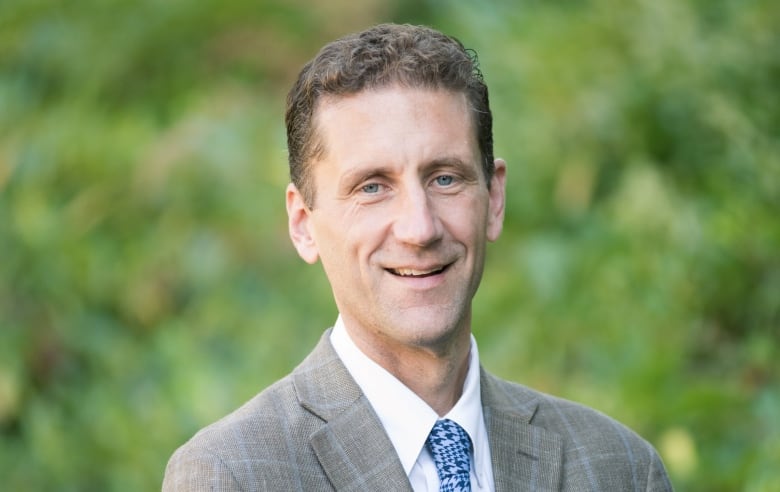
<point x="396" y="192"/>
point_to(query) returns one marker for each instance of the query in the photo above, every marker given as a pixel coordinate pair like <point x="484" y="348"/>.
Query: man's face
<point x="401" y="216"/>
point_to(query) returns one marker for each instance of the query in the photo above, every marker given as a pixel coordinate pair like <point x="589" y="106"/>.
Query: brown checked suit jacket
<point x="314" y="430"/>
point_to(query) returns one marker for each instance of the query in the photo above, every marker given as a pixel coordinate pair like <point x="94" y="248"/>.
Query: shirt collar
<point x="406" y="418"/>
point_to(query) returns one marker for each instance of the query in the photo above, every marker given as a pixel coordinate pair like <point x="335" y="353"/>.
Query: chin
<point x="431" y="329"/>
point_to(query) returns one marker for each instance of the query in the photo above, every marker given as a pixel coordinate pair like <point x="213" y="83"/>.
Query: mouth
<point x="417" y="273"/>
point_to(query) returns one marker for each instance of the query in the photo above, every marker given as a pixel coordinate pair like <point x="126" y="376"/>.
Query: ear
<point x="298" y="221"/>
<point x="497" y="197"/>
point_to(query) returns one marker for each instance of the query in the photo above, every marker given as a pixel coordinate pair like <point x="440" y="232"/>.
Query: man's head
<point x="387" y="54"/>
<point x="385" y="127"/>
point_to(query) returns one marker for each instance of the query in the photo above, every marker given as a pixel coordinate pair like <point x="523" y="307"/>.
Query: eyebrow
<point x="470" y="172"/>
<point x="451" y="161"/>
<point x="361" y="173"/>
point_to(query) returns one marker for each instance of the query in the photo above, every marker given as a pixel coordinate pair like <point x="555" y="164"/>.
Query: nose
<point x="416" y="222"/>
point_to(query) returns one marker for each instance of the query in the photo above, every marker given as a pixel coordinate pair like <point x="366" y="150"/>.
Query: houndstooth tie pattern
<point x="451" y="449"/>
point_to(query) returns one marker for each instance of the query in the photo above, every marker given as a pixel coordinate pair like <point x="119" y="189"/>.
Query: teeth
<point x="408" y="272"/>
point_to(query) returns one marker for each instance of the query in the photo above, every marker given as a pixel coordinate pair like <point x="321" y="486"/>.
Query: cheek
<point x="349" y="245"/>
<point x="365" y="228"/>
<point x="467" y="221"/>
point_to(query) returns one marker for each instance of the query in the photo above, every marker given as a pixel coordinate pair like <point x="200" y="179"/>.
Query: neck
<point x="435" y="374"/>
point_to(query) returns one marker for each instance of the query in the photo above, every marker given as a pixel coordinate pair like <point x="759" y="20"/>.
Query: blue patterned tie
<point x="451" y="449"/>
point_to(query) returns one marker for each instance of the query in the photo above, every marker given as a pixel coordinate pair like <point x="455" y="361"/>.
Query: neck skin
<point x="434" y="373"/>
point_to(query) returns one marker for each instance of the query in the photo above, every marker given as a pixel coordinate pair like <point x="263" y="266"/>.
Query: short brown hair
<point x="412" y="56"/>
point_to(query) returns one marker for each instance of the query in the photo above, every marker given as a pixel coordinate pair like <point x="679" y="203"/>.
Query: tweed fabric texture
<point x="450" y="447"/>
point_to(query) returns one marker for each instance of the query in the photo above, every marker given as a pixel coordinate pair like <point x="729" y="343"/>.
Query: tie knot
<point x="450" y="447"/>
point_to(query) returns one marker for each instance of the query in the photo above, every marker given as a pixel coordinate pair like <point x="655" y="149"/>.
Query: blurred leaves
<point x="147" y="285"/>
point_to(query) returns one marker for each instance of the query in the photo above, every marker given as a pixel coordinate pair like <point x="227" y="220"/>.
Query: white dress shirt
<point x="408" y="420"/>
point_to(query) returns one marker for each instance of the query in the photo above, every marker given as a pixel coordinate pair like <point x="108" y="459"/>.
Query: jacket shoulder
<point x="258" y="446"/>
<point x="597" y="449"/>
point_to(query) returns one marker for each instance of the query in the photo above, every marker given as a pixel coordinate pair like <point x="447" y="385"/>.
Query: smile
<point x="411" y="272"/>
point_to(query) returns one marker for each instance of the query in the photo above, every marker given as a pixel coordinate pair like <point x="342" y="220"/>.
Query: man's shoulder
<point x="264" y="411"/>
<point x="265" y="443"/>
<point x="570" y="419"/>
<point x="248" y="421"/>
<point x="242" y="446"/>
<point x="596" y="448"/>
<point x="283" y="403"/>
<point x="579" y="419"/>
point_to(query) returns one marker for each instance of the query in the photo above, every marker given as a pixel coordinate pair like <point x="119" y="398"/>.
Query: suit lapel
<point x="524" y="456"/>
<point x="351" y="446"/>
<point x="356" y="454"/>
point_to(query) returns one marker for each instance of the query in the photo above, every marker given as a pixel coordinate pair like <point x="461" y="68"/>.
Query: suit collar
<point x="351" y="445"/>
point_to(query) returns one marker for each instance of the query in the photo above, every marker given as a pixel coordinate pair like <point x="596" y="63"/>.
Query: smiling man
<point x="396" y="192"/>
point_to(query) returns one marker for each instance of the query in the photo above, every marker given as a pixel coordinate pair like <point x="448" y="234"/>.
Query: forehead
<point x="369" y="99"/>
<point x="394" y="121"/>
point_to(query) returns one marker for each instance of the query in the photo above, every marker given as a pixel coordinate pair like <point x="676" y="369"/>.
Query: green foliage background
<point x="147" y="285"/>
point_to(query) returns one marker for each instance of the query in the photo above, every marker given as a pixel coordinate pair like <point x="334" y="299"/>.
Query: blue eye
<point x="371" y="188"/>
<point x="444" y="180"/>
